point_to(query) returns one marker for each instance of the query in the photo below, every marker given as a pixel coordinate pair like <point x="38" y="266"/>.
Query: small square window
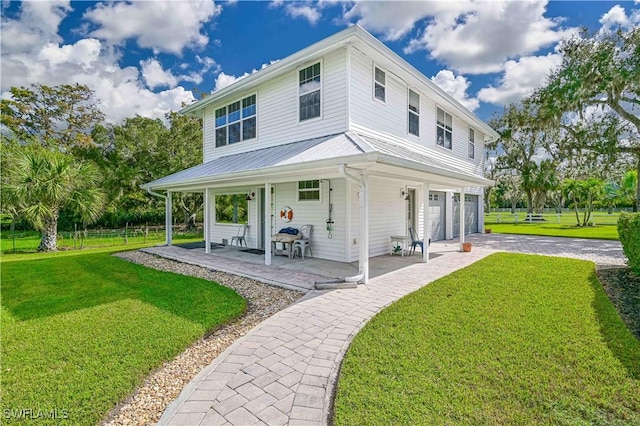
<point x="309" y="190"/>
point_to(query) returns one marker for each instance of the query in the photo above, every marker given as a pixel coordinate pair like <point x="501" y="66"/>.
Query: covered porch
<point x="361" y="187"/>
<point x="294" y="274"/>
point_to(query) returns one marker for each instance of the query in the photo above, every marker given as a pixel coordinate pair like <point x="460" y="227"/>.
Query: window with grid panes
<point x="472" y="143"/>
<point x="236" y="122"/>
<point x="309" y="190"/>
<point x="380" y="85"/>
<point x="309" y="89"/>
<point x="444" y="128"/>
<point x="414" y="113"/>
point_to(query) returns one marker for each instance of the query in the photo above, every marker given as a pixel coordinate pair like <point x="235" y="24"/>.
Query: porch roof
<point x="306" y="154"/>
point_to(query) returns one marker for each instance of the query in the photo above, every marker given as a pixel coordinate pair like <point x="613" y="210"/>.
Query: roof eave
<point x="467" y="179"/>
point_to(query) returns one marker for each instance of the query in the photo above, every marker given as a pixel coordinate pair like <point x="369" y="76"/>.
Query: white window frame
<point x="241" y="121"/>
<point x="410" y="112"/>
<point x="308" y="65"/>
<point x="299" y="190"/>
<point x="383" y="85"/>
<point x="472" y="143"/>
<point x="444" y="128"/>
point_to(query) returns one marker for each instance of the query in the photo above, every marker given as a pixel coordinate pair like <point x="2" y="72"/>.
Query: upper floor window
<point x="309" y="190"/>
<point x="444" y="136"/>
<point x="472" y="143"/>
<point x="380" y="85"/>
<point x="309" y="92"/>
<point x="414" y="113"/>
<point x="236" y="122"/>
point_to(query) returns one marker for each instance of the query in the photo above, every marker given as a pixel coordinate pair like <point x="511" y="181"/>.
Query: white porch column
<point x="267" y="224"/>
<point x="461" y="217"/>
<point x="168" y="220"/>
<point x="207" y="221"/>
<point x="426" y="234"/>
<point x="364" y="227"/>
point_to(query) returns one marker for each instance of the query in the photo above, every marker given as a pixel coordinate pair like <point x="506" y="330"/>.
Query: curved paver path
<point x="284" y="371"/>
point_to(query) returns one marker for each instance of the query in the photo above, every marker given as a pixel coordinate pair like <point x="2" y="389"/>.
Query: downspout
<point x="363" y="261"/>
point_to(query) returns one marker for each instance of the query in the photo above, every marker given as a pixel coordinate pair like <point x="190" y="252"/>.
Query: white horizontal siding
<point x="277" y="110"/>
<point x="390" y="119"/>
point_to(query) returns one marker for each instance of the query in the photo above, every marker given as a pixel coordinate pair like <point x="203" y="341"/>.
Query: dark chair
<point x="415" y="241"/>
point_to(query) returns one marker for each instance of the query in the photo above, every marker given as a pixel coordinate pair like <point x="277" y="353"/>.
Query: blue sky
<point x="146" y="57"/>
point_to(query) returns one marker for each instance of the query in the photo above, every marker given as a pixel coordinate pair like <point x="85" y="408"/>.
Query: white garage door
<point x="470" y="214"/>
<point x="436" y="215"/>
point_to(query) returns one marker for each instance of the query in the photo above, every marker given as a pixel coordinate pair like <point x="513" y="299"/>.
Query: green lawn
<point x="80" y="332"/>
<point x="601" y="232"/>
<point x="28" y="241"/>
<point x="512" y="339"/>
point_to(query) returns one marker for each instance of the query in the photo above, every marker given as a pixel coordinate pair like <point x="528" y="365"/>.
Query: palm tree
<point x="41" y="182"/>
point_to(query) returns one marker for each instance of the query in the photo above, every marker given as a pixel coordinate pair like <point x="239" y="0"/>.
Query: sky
<point x="152" y="57"/>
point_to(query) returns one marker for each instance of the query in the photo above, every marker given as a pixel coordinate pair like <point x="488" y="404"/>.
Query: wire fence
<point x="26" y="241"/>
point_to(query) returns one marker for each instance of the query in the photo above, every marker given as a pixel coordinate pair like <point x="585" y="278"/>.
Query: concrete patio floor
<point x="296" y="274"/>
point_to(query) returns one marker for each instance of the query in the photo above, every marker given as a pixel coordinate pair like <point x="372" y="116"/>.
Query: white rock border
<point x="162" y="386"/>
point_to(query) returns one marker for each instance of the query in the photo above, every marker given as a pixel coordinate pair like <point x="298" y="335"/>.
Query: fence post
<point x="498" y="218"/>
<point x="558" y="217"/>
<point x="126" y="228"/>
<point x="146" y="232"/>
<point x="515" y="217"/>
<point x="75" y="234"/>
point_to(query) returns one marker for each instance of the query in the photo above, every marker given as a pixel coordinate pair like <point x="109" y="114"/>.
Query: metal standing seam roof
<point x="412" y="154"/>
<point x="307" y="151"/>
<point x="327" y="147"/>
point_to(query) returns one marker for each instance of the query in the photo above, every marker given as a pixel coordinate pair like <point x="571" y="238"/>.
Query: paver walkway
<point x="284" y="371"/>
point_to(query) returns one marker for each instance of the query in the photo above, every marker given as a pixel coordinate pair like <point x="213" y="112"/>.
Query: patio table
<point x="404" y="241"/>
<point x="285" y="240"/>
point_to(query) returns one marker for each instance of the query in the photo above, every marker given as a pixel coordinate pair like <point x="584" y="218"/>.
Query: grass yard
<point x="511" y="339"/>
<point x="601" y="232"/>
<point x="80" y="332"/>
<point x="28" y="241"/>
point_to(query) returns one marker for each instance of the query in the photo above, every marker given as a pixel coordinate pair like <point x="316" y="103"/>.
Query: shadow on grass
<point x="47" y="287"/>
<point x="620" y="341"/>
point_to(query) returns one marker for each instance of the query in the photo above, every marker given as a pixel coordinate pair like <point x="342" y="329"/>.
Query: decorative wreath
<point x="286" y="214"/>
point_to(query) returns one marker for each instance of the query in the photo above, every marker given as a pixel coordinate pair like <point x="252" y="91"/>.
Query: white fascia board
<point x="273" y="70"/>
<point x="264" y="174"/>
<point x="465" y="179"/>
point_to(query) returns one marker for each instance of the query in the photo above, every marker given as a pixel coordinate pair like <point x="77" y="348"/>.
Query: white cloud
<point x="309" y="13"/>
<point x="223" y="80"/>
<point x="38" y="24"/>
<point x="520" y="78"/>
<point x="468" y="36"/>
<point x="166" y="26"/>
<point x="456" y="87"/>
<point x="120" y="91"/>
<point x="617" y="17"/>
<point x="155" y="76"/>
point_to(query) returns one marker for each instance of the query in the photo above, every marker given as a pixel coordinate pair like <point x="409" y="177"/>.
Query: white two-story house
<point x="343" y="135"/>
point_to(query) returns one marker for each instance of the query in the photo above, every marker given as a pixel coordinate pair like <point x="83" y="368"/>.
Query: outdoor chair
<point x="240" y="239"/>
<point x="415" y="241"/>
<point x="304" y="242"/>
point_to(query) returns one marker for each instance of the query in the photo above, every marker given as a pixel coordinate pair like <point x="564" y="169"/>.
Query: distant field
<point x="564" y="225"/>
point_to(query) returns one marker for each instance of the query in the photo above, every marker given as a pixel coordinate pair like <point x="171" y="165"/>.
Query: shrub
<point x="629" y="232"/>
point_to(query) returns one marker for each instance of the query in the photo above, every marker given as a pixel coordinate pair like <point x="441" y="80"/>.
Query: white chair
<point x="239" y="239"/>
<point x="304" y="242"/>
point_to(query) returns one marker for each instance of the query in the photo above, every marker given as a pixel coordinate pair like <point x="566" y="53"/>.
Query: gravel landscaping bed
<point x="149" y="401"/>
